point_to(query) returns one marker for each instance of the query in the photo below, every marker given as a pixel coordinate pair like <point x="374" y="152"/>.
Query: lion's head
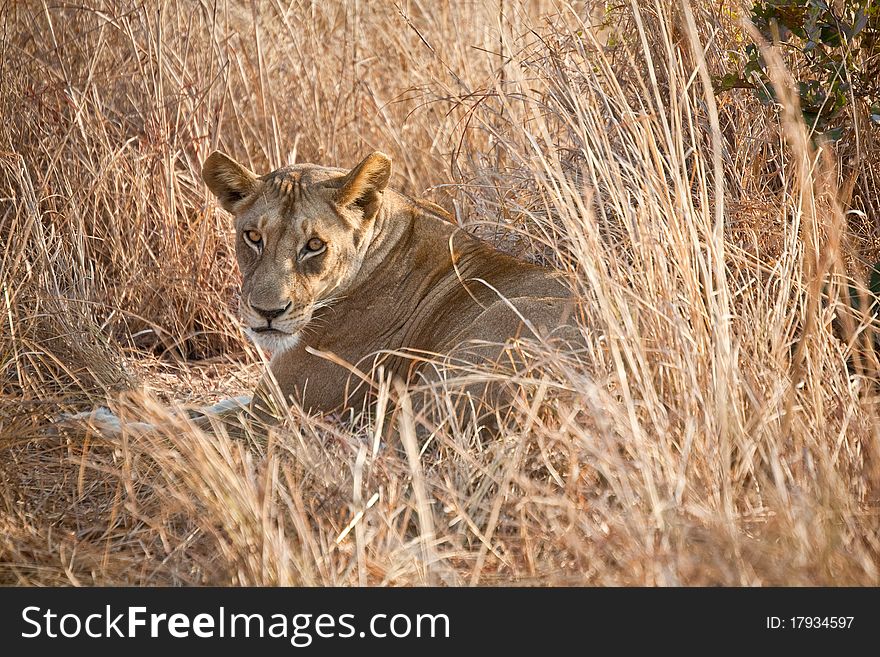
<point x="302" y="233"/>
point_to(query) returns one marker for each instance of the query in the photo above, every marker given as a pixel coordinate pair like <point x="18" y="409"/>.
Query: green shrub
<point x="834" y="53"/>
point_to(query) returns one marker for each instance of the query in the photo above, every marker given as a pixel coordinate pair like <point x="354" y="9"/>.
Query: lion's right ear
<point x="230" y="182"/>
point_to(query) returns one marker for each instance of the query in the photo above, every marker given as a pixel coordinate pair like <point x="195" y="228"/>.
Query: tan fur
<point x="396" y="276"/>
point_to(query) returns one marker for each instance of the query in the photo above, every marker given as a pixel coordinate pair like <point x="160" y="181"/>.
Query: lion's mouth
<point x="273" y="339"/>
<point x="268" y="330"/>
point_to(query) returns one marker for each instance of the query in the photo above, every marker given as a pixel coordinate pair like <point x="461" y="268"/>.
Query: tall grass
<point x="718" y="426"/>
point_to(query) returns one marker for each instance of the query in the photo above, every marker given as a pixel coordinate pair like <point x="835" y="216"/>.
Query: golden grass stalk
<point x="717" y="426"/>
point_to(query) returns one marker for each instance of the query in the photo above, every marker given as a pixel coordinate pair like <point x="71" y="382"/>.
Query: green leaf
<point x="765" y="93"/>
<point x="860" y="22"/>
<point x="811" y="119"/>
<point x="830" y="36"/>
<point x="730" y="81"/>
<point x="835" y="134"/>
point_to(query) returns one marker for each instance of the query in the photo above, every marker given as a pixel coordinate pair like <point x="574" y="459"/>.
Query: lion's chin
<point x="274" y="341"/>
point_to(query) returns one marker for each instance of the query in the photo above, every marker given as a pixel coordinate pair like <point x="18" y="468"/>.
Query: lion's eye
<point x="314" y="247"/>
<point x="253" y="236"/>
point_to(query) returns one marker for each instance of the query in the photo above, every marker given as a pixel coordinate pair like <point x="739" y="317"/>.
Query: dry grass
<point x="720" y="427"/>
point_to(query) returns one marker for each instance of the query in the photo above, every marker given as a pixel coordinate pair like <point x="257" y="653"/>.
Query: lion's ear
<point x="230" y="182"/>
<point x="363" y="186"/>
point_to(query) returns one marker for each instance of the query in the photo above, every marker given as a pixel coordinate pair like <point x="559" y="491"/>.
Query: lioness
<point x="340" y="273"/>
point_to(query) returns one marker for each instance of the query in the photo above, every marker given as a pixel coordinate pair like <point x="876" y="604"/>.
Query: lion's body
<point x="395" y="283"/>
<point x="416" y="303"/>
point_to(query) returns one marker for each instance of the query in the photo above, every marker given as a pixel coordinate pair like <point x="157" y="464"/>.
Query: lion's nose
<point x="271" y="314"/>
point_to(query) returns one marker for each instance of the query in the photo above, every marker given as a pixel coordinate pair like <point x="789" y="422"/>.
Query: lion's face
<point x="293" y="258"/>
<point x="301" y="236"/>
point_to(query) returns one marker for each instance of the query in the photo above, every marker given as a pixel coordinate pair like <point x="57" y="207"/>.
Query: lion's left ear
<point x="363" y="186"/>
